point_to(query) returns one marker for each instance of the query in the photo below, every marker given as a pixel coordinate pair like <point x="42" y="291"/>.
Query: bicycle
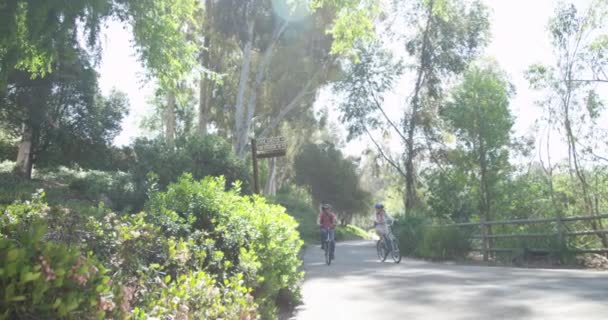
<point x="382" y="249"/>
<point x="329" y="247"/>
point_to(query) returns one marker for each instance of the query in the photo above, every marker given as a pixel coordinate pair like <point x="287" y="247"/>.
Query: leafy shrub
<point x="8" y="147"/>
<point x="199" y="253"/>
<point x="14" y="187"/>
<point x="42" y="279"/>
<point x="74" y="188"/>
<point x="200" y="156"/>
<point x="198" y="296"/>
<point x="297" y="202"/>
<point x="409" y="231"/>
<point x="242" y="235"/>
<point x="116" y="188"/>
<point x="350" y="232"/>
<point x="443" y="243"/>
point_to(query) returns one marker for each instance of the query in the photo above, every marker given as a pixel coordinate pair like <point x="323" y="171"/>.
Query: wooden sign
<point x="271" y="147"/>
<point x="265" y="148"/>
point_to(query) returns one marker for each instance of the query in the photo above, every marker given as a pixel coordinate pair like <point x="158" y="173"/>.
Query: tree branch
<point x="379" y="107"/>
<point x="589" y="80"/>
<point x="293" y="103"/>
<point x="431" y="154"/>
<point x="383" y="154"/>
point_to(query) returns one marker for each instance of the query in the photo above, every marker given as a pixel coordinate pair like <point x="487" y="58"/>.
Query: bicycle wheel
<point x="381" y="251"/>
<point x="396" y="253"/>
<point x="327" y="253"/>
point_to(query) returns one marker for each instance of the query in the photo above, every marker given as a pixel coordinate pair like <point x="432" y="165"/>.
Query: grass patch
<point x="351" y="232"/>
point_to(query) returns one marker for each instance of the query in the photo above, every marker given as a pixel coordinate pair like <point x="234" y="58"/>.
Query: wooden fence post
<point x="484" y="239"/>
<point x="560" y="231"/>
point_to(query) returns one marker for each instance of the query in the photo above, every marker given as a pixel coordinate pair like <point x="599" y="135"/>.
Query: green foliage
<point x="207" y="156"/>
<point x="482" y="99"/>
<point x="28" y="32"/>
<point x="115" y="188"/>
<point x="243" y="235"/>
<point x="364" y="83"/>
<point x="297" y="202"/>
<point x="8" y="147"/>
<point x="163" y="43"/>
<point x="77" y="189"/>
<point x="14" y="187"/>
<point x="451" y="193"/>
<point x="70" y="121"/>
<point x="199" y="253"/>
<point x="350" y="232"/>
<point x="409" y="231"/>
<point x="353" y="23"/>
<point x="198" y="296"/>
<point x="331" y="178"/>
<point x="480" y="118"/>
<point x="43" y="279"/>
<point x="443" y="243"/>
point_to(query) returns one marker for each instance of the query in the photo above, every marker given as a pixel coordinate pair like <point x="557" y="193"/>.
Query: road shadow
<point x="482" y="292"/>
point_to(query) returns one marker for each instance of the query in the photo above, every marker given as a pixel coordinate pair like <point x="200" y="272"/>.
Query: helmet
<point x="379" y="206"/>
<point x="326" y="206"/>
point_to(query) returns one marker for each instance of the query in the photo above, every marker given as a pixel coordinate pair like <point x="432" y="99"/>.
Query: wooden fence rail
<point x="560" y="234"/>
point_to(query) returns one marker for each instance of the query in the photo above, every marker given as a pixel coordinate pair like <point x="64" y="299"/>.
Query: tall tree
<point x="261" y="27"/>
<point x="448" y="34"/>
<point x="479" y="115"/>
<point x="573" y="106"/>
<point x="62" y="118"/>
<point x="35" y="38"/>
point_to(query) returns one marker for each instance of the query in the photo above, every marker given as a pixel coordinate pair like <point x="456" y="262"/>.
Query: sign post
<point x="265" y="148"/>
<point x="254" y="158"/>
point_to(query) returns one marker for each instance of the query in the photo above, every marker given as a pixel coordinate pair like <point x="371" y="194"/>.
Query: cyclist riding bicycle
<point x="327" y="223"/>
<point x="381" y="222"/>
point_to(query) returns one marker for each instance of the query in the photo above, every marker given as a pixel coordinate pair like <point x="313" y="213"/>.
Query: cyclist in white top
<point x="381" y="222"/>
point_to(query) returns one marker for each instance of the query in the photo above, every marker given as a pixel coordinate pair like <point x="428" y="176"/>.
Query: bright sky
<point x="519" y="39"/>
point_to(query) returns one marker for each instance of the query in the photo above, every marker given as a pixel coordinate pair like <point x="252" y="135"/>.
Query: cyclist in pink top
<point x="327" y="222"/>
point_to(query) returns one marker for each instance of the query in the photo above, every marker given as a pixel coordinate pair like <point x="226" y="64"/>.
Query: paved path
<point x="357" y="286"/>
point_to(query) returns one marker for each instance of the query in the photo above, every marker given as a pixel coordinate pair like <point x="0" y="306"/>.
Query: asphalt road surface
<point x="357" y="286"/>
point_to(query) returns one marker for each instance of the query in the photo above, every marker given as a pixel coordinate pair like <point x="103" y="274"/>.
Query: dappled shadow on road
<point x="475" y="292"/>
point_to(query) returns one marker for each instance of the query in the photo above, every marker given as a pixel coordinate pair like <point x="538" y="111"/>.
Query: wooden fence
<point x="561" y="234"/>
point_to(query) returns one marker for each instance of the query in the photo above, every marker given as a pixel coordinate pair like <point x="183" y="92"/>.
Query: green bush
<point x="42" y="279"/>
<point x="243" y="235"/>
<point x="116" y="189"/>
<point x="15" y="188"/>
<point x="443" y="243"/>
<point x="409" y="231"/>
<point x="8" y="147"/>
<point x="350" y="232"/>
<point x="198" y="253"/>
<point x="197" y="296"/>
<point x="200" y="156"/>
<point x="73" y="188"/>
<point x="297" y="202"/>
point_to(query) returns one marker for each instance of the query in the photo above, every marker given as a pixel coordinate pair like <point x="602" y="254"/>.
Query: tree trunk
<point x="169" y="119"/>
<point x="573" y="154"/>
<point x="25" y="154"/>
<point x="271" y="183"/>
<point x="410" y="187"/>
<point x="205" y="86"/>
<point x="240" y="126"/>
<point x="259" y="78"/>
<point x="580" y="174"/>
<point x="484" y="204"/>
<point x="203" y="106"/>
